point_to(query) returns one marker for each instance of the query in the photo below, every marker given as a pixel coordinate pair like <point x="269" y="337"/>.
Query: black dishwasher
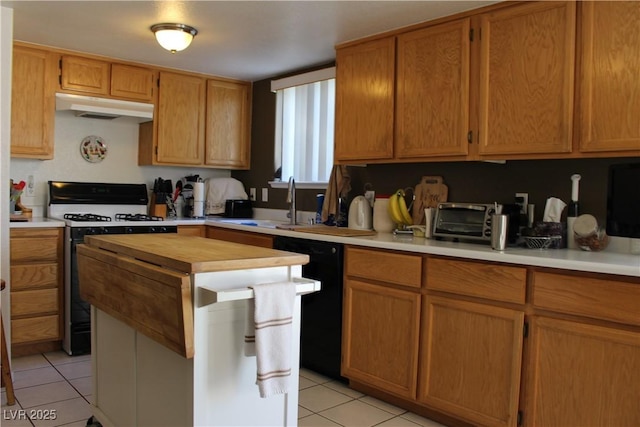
<point x="321" y="325"/>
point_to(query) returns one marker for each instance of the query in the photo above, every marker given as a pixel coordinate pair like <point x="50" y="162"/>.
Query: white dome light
<point x="174" y="37"/>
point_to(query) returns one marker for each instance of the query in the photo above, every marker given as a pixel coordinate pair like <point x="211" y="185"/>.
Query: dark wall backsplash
<point x="481" y="182"/>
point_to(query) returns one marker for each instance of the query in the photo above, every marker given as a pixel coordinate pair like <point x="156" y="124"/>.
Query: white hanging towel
<point x="273" y="324"/>
<point x="249" y="330"/>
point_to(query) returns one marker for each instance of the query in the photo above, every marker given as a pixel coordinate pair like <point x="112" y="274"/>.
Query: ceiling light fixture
<point x="174" y="37"/>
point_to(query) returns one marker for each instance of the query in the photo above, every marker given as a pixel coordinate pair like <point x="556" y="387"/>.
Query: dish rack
<point x="542" y="242"/>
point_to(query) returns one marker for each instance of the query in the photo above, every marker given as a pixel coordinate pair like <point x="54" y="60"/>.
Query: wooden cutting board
<point x="428" y="193"/>
<point x="334" y="231"/>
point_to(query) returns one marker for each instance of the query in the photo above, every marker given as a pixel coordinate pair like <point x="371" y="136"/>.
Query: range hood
<point x="103" y="108"/>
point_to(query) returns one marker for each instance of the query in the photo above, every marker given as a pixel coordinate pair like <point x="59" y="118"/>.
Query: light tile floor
<point x="55" y="383"/>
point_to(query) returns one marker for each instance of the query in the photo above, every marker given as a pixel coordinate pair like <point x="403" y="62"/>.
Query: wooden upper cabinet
<point x="131" y="82"/>
<point x="365" y="78"/>
<point x="228" y="123"/>
<point x="33" y="103"/>
<point x="432" y="94"/>
<point x="87" y="75"/>
<point x="180" y="117"/>
<point x="527" y="78"/>
<point x="105" y="79"/>
<point x="609" y="82"/>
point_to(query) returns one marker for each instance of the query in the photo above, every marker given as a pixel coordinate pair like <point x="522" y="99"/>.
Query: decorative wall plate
<point x="93" y="149"/>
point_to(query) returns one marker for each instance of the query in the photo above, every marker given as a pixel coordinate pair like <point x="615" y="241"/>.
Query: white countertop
<point x="37" y="222"/>
<point x="607" y="261"/>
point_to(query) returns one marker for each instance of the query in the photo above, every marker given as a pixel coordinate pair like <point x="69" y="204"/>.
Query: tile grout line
<point x="67" y="380"/>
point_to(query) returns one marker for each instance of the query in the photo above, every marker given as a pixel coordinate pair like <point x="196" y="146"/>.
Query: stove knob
<point x="104" y="230"/>
<point x="91" y="231"/>
<point x="128" y="230"/>
<point x="152" y="230"/>
<point x="163" y="229"/>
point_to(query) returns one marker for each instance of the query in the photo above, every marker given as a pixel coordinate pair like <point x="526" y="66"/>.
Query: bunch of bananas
<point x="398" y="209"/>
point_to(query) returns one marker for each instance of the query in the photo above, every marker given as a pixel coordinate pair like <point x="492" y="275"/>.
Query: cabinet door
<point x="471" y="360"/>
<point x="527" y="78"/>
<point x="365" y="75"/>
<point x="432" y="100"/>
<point x="85" y="75"/>
<point x="228" y="142"/>
<point x="380" y="337"/>
<point x="180" y="119"/>
<point x="33" y="103"/>
<point x="609" y="82"/>
<point x="131" y="82"/>
<point x="582" y="375"/>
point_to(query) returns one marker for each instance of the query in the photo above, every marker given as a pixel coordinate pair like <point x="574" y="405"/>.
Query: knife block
<point x="157" y="209"/>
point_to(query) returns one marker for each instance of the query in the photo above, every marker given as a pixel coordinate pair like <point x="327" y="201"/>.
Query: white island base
<point x="139" y="382"/>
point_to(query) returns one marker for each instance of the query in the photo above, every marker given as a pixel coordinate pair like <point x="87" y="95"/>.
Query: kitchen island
<point x="168" y="323"/>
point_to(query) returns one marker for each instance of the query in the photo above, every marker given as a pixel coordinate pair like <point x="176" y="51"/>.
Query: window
<point x="305" y="107"/>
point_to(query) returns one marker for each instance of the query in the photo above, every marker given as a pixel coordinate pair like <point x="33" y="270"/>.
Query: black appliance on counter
<point x="321" y="323"/>
<point x="623" y="200"/>
<point x="238" y="208"/>
<point x="90" y="209"/>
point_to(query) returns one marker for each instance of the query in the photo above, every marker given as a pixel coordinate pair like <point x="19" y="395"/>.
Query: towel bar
<point x="303" y="286"/>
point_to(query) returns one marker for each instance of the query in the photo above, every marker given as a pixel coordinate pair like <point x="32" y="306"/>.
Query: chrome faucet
<point x="291" y="199"/>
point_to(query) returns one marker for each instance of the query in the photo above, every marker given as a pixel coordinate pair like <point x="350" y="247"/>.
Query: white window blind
<point x="304" y="126"/>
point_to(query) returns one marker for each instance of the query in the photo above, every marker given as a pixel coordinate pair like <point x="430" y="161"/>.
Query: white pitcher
<point x="360" y="214"/>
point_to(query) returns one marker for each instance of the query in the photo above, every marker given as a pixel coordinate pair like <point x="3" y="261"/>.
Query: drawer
<point x="243" y="237"/>
<point x="491" y="281"/>
<point x="44" y="328"/>
<point x="594" y="297"/>
<point x="34" y="276"/>
<point x="35" y="245"/>
<point x="43" y="301"/>
<point x="391" y="267"/>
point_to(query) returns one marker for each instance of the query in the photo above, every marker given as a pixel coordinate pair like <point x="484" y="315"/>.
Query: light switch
<point x="265" y="194"/>
<point x="252" y="194"/>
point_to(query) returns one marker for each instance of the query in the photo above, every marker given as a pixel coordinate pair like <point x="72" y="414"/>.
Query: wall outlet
<point x="522" y="200"/>
<point x="30" y="190"/>
<point x="265" y="194"/>
<point x="252" y="194"/>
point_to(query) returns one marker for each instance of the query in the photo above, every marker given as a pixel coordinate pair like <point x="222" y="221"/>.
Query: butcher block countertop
<point x="190" y="254"/>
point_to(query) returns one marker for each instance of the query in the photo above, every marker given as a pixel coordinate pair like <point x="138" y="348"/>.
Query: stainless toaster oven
<point x="463" y="221"/>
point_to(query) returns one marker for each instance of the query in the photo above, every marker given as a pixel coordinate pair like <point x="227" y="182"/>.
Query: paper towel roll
<point x="198" y="209"/>
<point x="198" y="192"/>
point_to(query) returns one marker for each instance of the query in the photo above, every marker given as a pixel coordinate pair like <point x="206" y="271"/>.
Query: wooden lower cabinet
<point x="192" y="230"/>
<point x="471" y="357"/>
<point x="380" y="337"/>
<point x="582" y="375"/>
<point x="237" y="236"/>
<point x="36" y="289"/>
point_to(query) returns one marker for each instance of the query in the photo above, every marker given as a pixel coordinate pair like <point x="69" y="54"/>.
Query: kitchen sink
<point x="265" y="223"/>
